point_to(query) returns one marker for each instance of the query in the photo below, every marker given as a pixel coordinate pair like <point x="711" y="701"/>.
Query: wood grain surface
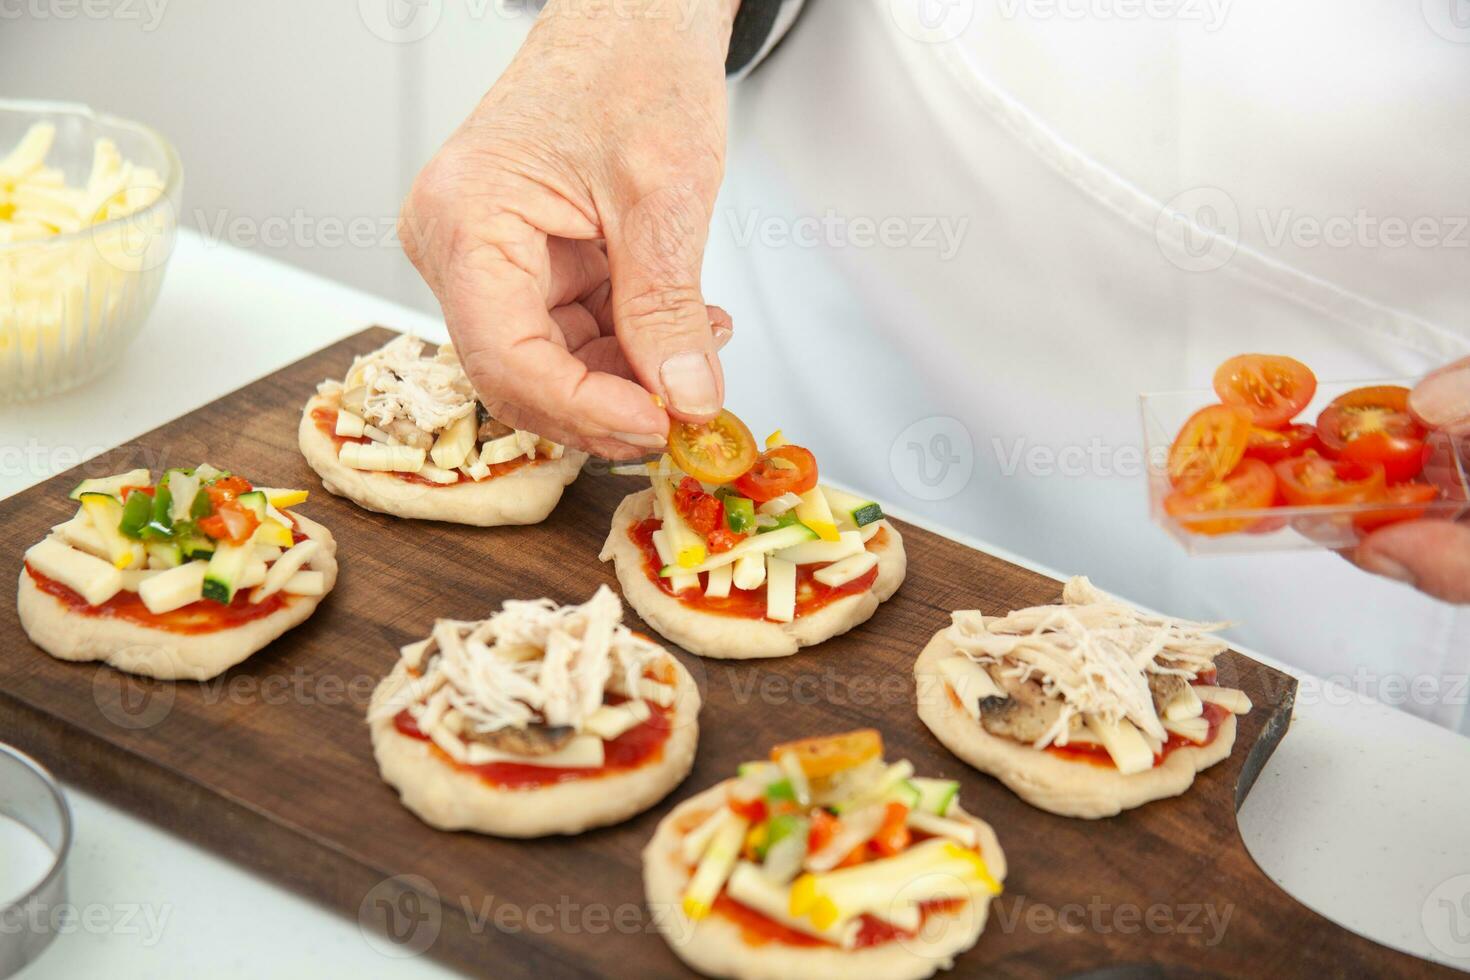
<point x="271" y="764"/>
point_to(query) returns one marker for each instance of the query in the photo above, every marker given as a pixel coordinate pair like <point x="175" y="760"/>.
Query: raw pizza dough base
<point x="524" y="496"/>
<point x="159" y="653"/>
<point x="1057" y="785"/>
<point x="734" y="637"/>
<point x="447" y="798"/>
<point x="714" y="945"/>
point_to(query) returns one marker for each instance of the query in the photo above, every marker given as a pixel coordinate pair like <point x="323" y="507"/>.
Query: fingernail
<point x="1380" y="564"/>
<point x="722" y="335"/>
<point x="690" y="384"/>
<point x="645" y="440"/>
<point x="1443" y="399"/>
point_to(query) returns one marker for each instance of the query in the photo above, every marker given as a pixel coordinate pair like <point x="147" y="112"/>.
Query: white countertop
<point x="1361" y="813"/>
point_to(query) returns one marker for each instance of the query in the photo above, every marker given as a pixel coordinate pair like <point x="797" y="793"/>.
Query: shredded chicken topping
<point x="1092" y="653"/>
<point x="401" y="383"/>
<point x="534" y="662"/>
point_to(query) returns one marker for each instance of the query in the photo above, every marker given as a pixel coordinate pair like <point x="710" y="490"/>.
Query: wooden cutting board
<point x="271" y="764"/>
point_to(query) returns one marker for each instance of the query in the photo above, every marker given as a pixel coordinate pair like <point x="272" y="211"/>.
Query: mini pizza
<point x="735" y="555"/>
<point x="404" y="434"/>
<point x="824" y="861"/>
<point x="542" y="719"/>
<point x="1086" y="708"/>
<point x="178" y="579"/>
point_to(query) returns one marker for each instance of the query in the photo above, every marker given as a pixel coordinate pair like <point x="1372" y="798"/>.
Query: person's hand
<point x="563" y="226"/>
<point x="1433" y="556"/>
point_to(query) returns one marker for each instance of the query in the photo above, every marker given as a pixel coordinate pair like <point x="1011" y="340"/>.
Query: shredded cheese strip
<point x="1092" y="652"/>
<point x="533" y="658"/>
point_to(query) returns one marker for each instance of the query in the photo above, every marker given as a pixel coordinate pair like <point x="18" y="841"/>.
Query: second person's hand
<point x="563" y="226"/>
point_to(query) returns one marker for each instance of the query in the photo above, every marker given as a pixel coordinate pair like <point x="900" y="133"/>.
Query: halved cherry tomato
<point x="1274" y="445"/>
<point x="715" y="452"/>
<point x="825" y="755"/>
<point x="785" y="469"/>
<point x="1252" y="486"/>
<point x="1373" y="425"/>
<point x="1271" y="388"/>
<point x="1399" y="496"/>
<point x="893" y="834"/>
<point x="1311" y="480"/>
<point x="1209" y="447"/>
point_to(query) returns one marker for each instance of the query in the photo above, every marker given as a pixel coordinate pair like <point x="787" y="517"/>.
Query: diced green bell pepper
<point x="740" y="514"/>
<point x="137" y="511"/>
<point x="161" y="522"/>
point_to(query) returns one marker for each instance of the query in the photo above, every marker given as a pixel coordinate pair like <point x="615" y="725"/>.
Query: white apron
<point x="949" y="273"/>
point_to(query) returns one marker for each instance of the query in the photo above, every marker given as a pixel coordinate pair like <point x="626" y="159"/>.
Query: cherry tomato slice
<point x="1209" y="447"/>
<point x="825" y="755"/>
<point x="1311" y="480"/>
<point x="1274" y="445"/>
<point x="1270" y="387"/>
<point x="785" y="469"/>
<point x="1251" y="487"/>
<point x="1374" y="425"/>
<point x="715" y="452"/>
<point x="1402" y="495"/>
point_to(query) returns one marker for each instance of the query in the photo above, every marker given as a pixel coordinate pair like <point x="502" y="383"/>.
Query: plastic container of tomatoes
<point x="1271" y="459"/>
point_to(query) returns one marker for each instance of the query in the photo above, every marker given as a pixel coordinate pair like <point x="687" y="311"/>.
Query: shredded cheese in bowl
<point x="88" y="209"/>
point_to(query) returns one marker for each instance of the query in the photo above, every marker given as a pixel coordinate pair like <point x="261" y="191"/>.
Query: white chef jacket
<point x="959" y="238"/>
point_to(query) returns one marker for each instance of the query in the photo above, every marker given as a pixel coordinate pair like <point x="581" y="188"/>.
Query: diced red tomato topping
<point x="824" y="826"/>
<point x="893" y="835"/>
<point x="702" y="511"/>
<point x="722" y="539"/>
<point x="752" y="810"/>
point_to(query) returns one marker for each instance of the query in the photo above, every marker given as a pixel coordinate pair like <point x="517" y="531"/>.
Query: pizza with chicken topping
<point x="1084" y="708"/>
<point x="542" y="719"/>
<point x="404" y="434"/>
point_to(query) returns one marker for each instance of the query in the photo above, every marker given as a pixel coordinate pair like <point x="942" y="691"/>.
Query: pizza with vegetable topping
<point x="404" y="434"/>
<point x="1084" y="708"/>
<point x="542" y="719"/>
<point x="738" y="554"/>
<point x="179" y="578"/>
<point x="823" y="860"/>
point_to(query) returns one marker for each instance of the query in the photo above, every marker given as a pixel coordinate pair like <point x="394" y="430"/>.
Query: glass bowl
<point x="1292" y="528"/>
<point x="71" y="303"/>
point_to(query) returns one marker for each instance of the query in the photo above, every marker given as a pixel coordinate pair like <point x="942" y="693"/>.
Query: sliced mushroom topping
<point x="1024" y="716"/>
<point x="1164" y="688"/>
<point x="531" y="740"/>
<point x="492" y="429"/>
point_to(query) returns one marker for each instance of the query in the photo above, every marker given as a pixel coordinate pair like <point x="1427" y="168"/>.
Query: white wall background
<point x="300" y="123"/>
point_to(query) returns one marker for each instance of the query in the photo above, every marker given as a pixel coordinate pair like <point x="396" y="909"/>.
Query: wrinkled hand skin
<point x="563" y="226"/>
<point x="1432" y="556"/>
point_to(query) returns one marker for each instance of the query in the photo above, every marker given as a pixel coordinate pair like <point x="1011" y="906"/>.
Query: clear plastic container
<point x="71" y="303"/>
<point x="1290" y="528"/>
